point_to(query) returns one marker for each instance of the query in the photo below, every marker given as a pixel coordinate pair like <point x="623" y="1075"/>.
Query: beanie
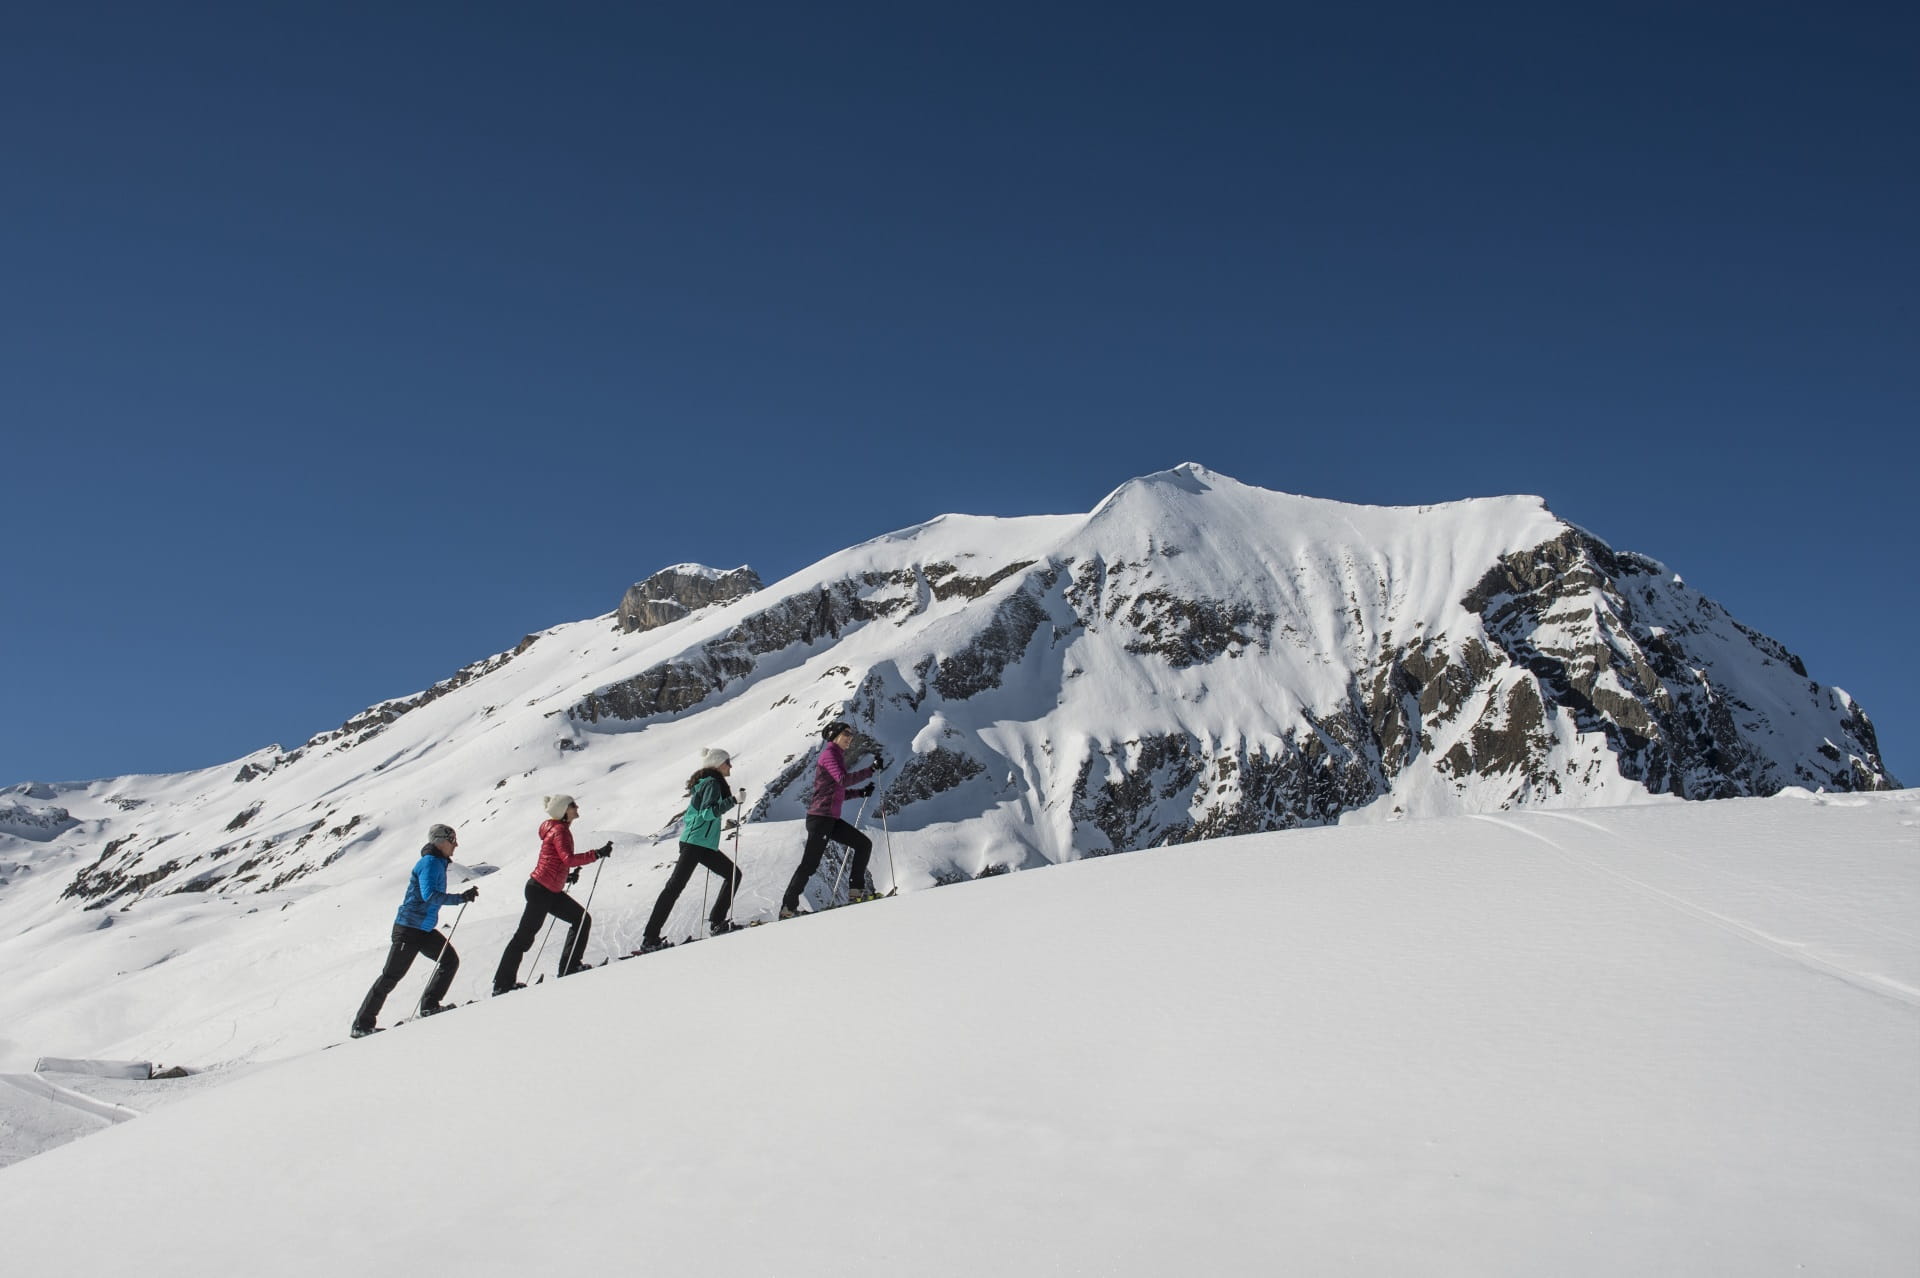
<point x="557" y="805"/>
<point x="714" y="758"/>
<point x="441" y="834"/>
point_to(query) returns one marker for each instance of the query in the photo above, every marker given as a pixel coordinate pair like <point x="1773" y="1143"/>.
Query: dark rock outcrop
<point x="998" y="644"/>
<point x="673" y="593"/>
<point x="38" y="824"/>
<point x="924" y="775"/>
<point x="371" y="722"/>
<point x="1612" y="645"/>
<point x="798" y="621"/>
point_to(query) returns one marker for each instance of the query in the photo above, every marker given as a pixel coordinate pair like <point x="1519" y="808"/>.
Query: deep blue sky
<point x="343" y="344"/>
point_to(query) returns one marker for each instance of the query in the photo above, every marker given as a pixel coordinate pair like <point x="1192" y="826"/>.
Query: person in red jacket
<point x="546" y="895"/>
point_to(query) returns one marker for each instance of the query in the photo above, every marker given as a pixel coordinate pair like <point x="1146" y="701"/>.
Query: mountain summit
<point x="1200" y="657"/>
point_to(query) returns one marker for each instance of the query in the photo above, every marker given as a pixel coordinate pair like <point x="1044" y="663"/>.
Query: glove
<point x="605" y="851"/>
<point x="864" y="792"/>
<point x="573" y="876"/>
<point x="470" y="895"/>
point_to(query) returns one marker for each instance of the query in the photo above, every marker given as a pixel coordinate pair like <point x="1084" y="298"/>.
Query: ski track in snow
<point x="1796" y="951"/>
<point x="1775" y="890"/>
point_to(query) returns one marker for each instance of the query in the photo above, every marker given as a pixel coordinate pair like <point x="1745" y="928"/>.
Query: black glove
<point x="864" y="792"/>
<point x="605" y="851"/>
<point x="573" y="876"/>
<point x="879" y="763"/>
<point x="470" y="895"/>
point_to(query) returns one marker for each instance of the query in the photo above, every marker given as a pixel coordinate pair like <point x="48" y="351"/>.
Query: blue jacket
<point x="711" y="797"/>
<point x="426" y="892"/>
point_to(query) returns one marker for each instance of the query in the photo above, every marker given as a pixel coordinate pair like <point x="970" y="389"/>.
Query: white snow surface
<point x="1669" y="1038"/>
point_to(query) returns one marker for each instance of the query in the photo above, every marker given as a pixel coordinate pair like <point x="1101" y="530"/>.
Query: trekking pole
<point x="706" y="883"/>
<point x="739" y="819"/>
<point x="847" y="855"/>
<point x="543" y="943"/>
<point x="893" y="875"/>
<point x="593" y="886"/>
<point x="444" y="951"/>
<point x="591" y="889"/>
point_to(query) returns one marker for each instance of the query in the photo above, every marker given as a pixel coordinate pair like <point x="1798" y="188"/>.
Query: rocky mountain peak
<point x="678" y="591"/>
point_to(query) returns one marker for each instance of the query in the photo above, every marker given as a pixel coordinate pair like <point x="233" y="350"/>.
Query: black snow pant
<point x="691" y="855"/>
<point x="540" y="904"/>
<point x="408" y="941"/>
<point x="821" y="829"/>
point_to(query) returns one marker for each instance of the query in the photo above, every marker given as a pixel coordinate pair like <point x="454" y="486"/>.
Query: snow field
<point x="1667" y="1039"/>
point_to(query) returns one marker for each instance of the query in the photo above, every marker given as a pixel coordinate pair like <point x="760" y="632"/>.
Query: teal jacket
<point x="711" y="797"/>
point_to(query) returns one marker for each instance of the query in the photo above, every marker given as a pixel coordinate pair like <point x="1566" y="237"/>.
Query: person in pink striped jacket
<point x="831" y="779"/>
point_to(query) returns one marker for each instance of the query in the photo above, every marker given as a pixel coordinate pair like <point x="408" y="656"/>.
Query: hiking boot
<point x="789" y="912"/>
<point x="653" y="944"/>
<point x="498" y="990"/>
<point x="361" y="1031"/>
<point x="576" y="968"/>
<point x="722" y="927"/>
<point x="433" y="1009"/>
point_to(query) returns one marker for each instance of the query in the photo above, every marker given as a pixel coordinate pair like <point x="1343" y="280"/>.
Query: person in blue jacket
<point x="414" y="932"/>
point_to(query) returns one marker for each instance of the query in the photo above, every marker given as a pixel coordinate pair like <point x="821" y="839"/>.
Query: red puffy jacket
<point x="557" y="856"/>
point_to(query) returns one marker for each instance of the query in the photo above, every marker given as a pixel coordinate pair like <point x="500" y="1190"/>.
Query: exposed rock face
<point x="369" y="723"/>
<point x="35" y="822"/>
<point x="673" y="593"/>
<point x="1192" y="632"/>
<point x="796" y="621"/>
<point x="1612" y="643"/>
<point x="1601" y="641"/>
<point x="925" y="775"/>
<point x="999" y="644"/>
<point x="674" y="686"/>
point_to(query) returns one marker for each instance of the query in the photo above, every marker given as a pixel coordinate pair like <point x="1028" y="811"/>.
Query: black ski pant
<point x="691" y="855"/>
<point x="821" y="830"/>
<point x="407" y="942"/>
<point x="540" y="904"/>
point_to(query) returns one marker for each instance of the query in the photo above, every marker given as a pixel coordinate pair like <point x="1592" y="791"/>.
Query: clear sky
<point x="343" y="344"/>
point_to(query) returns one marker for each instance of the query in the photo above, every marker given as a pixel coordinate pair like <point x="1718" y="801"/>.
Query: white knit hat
<point x="711" y="758"/>
<point x="557" y="805"/>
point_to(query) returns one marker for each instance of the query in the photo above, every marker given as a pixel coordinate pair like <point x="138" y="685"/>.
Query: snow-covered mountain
<point x="1196" y="657"/>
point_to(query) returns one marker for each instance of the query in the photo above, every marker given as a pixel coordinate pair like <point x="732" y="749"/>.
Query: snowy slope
<point x="1196" y="657"/>
<point x="1671" y="1038"/>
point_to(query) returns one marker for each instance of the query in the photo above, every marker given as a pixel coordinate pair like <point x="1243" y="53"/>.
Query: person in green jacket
<point x="708" y="797"/>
